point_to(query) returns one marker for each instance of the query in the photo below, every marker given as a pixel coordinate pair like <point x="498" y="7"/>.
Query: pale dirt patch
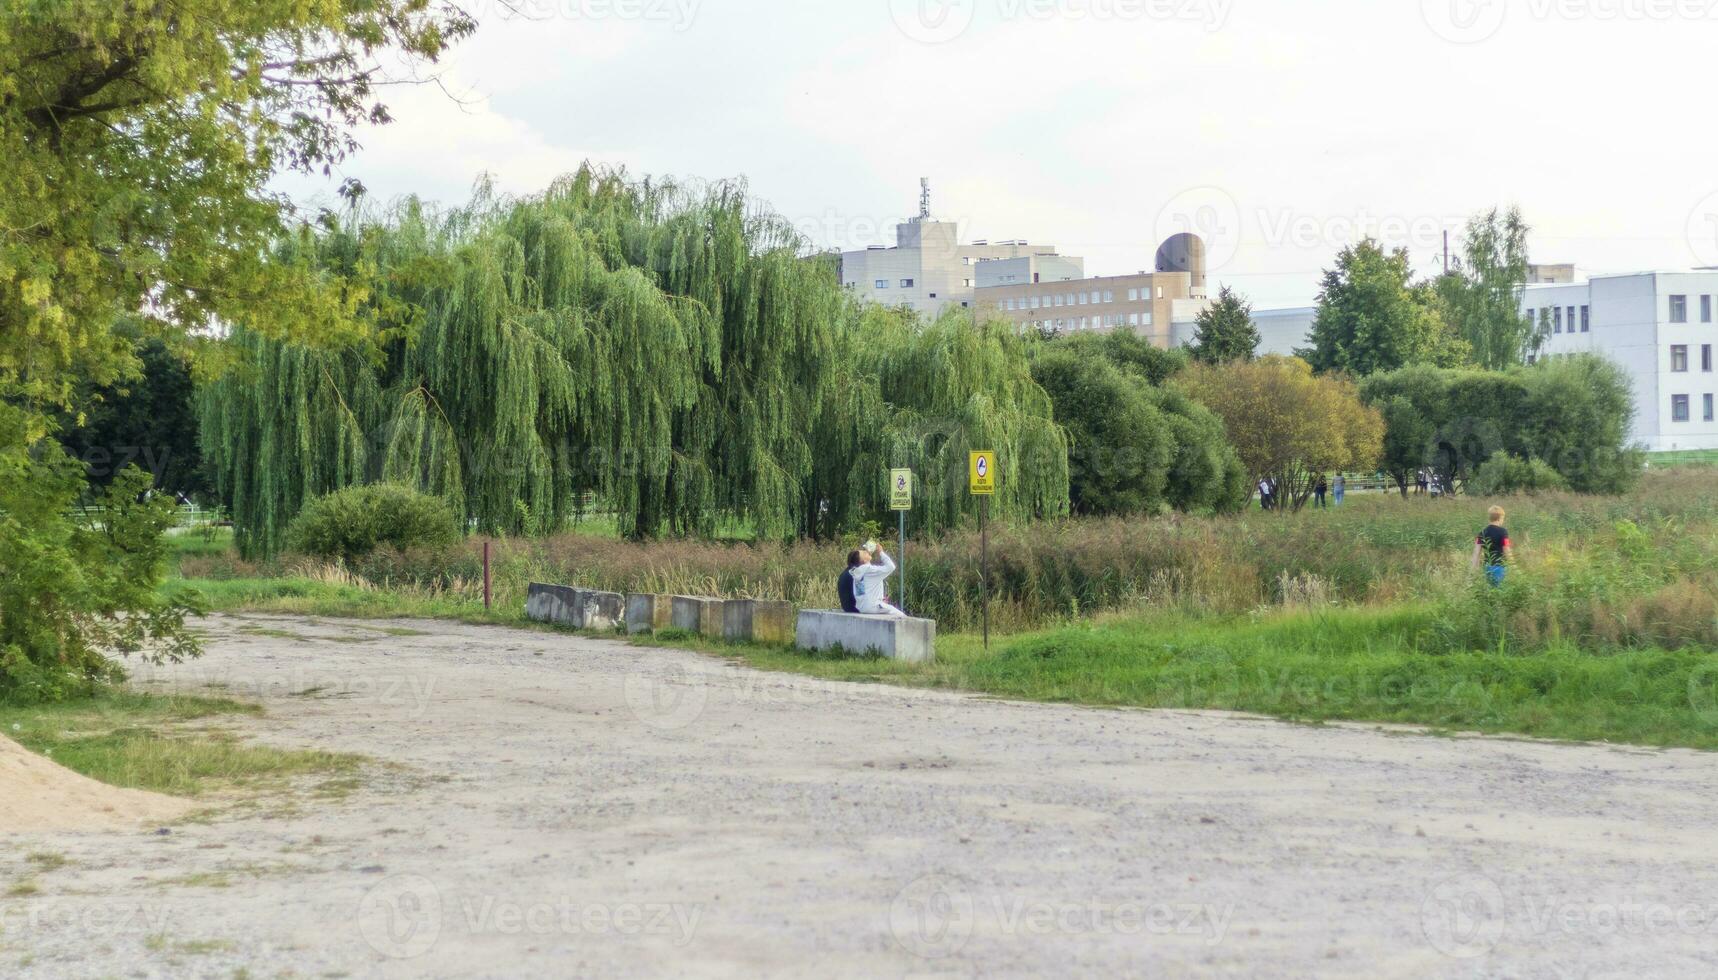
<point x="37" y="794"/>
<point x="568" y="806"/>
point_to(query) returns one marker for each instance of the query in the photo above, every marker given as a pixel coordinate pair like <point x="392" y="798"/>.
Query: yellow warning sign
<point x="981" y="474"/>
<point x="900" y="489"/>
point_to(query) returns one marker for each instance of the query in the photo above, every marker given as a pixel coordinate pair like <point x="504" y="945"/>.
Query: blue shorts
<point x="1494" y="574"/>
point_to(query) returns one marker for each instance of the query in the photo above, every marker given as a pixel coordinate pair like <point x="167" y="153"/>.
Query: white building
<point x="928" y="268"/>
<point x="1659" y="327"/>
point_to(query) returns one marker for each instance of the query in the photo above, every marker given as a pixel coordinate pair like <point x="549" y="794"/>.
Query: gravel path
<point x="559" y="806"/>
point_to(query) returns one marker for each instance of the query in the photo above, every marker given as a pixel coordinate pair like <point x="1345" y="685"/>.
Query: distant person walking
<point x="1265" y="493"/>
<point x="1337" y="488"/>
<point x="1420" y="482"/>
<point x="1319" y="489"/>
<point x="868" y="574"/>
<point x="1493" y="547"/>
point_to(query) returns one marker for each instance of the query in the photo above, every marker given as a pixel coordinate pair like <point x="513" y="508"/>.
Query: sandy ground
<point x="36" y="794"/>
<point x="560" y="806"/>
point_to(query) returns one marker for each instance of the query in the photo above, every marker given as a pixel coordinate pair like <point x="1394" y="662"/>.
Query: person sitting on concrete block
<point x="866" y="576"/>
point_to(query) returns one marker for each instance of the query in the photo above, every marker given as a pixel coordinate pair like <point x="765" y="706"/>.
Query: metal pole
<point x="903" y="553"/>
<point x="486" y="576"/>
<point x="984" y="561"/>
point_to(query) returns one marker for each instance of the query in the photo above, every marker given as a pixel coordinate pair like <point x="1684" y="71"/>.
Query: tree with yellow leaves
<point x="1288" y="424"/>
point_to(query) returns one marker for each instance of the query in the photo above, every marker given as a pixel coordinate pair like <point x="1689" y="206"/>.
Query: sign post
<point x="901" y="501"/>
<point x="981" y="481"/>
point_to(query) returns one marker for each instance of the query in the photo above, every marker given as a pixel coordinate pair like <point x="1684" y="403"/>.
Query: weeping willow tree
<point x="664" y="348"/>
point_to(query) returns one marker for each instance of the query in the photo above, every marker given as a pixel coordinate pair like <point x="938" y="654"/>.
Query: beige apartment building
<point x="1160" y="305"/>
<point x="929" y="268"/>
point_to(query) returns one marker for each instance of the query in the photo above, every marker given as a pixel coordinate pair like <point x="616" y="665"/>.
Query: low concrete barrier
<point x="553" y="604"/>
<point x="564" y="605"/>
<point x="696" y="614"/>
<point x="601" y="610"/>
<point x="757" y="621"/>
<point x="912" y="640"/>
<point x="648" y="612"/>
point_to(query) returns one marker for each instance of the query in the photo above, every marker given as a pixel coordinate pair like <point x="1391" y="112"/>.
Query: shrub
<point x="1504" y="473"/>
<point x="349" y="524"/>
<point x="1573" y="413"/>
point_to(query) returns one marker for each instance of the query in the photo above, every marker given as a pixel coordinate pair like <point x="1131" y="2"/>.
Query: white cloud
<point x="1316" y="117"/>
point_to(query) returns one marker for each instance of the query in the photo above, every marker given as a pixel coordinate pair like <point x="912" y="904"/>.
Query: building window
<point x="1707" y="405"/>
<point x="1679" y="408"/>
<point x="1034" y="302"/>
<point x="1133" y="295"/>
<point x="1586" y="319"/>
<point x="1556" y="319"/>
<point x="906" y="284"/>
<point x="1532" y="315"/>
<point x="1133" y="319"/>
<point x="1533" y="359"/>
<point x="1706" y="357"/>
<point x="933" y="296"/>
<point x="1160" y="292"/>
<point x="1679" y="358"/>
<point x="1109" y="296"/>
<point x="1679" y="309"/>
<point x="1706" y="309"/>
<point x="882" y="284"/>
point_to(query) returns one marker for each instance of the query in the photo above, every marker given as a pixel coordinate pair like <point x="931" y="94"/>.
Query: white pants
<point x="883" y="609"/>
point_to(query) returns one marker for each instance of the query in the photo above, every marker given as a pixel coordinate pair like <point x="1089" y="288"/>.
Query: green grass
<point x="1343" y="664"/>
<point x="312" y="597"/>
<point x="160" y="743"/>
<point x="1684" y="457"/>
<point x="201" y="541"/>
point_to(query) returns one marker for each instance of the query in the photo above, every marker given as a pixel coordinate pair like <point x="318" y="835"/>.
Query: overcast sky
<point x="1280" y="129"/>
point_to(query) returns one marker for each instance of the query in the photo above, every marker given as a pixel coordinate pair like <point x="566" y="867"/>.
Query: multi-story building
<point x="1660" y="328"/>
<point x="1161" y="305"/>
<point x="928" y="268"/>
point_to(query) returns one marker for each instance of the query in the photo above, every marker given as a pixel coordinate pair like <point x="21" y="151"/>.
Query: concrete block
<point x="686" y="612"/>
<point x="757" y="621"/>
<point x="647" y="611"/>
<point x="604" y="611"/>
<point x="554" y="604"/>
<point x="710" y="618"/>
<point x="697" y="614"/>
<point x="912" y="640"/>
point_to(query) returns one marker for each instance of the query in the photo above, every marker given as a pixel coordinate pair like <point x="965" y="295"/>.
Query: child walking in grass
<point x="1492" y="546"/>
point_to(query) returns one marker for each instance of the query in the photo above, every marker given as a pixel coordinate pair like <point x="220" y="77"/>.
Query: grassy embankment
<point x="167" y="743"/>
<point x="1606" y="629"/>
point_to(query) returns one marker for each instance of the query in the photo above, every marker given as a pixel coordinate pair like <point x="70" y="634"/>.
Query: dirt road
<point x="557" y="806"/>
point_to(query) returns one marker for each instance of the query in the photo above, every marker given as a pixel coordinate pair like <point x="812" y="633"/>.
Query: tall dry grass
<point x="1600" y="572"/>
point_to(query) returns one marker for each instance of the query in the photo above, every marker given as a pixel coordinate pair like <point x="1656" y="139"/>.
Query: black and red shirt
<point x="1494" y="539"/>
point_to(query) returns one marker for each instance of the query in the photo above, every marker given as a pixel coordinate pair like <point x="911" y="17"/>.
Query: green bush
<point x="78" y="584"/>
<point x="1504" y="473"/>
<point x="1573" y="413"/>
<point x="1135" y="447"/>
<point x="347" y="525"/>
